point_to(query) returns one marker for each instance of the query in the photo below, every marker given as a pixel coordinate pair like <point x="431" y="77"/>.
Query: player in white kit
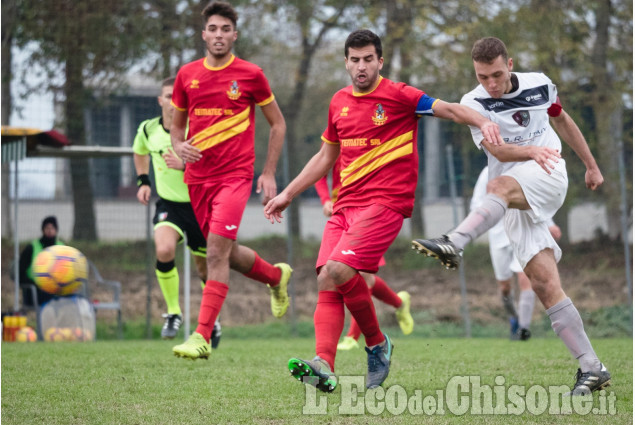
<point x="528" y="183"/>
<point x="506" y="266"/>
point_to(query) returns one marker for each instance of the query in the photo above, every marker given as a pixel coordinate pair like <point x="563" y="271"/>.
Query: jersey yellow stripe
<point x="325" y="140"/>
<point x="267" y="100"/>
<point x="222" y="131"/>
<point x="375" y="158"/>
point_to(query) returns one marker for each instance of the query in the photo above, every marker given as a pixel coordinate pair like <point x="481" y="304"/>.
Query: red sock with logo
<point x="357" y="299"/>
<point x="329" y="323"/>
<point x="383" y="292"/>
<point x="214" y="295"/>
<point x="264" y="272"/>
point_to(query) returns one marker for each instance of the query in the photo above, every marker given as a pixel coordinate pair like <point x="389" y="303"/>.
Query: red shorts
<point x="359" y="236"/>
<point x="219" y="205"/>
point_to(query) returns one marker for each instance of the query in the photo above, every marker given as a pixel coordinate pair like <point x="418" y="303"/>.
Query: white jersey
<point x="521" y="115"/>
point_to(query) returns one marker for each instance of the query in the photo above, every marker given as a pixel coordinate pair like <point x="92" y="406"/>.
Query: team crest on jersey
<point x="162" y="216"/>
<point x="234" y="91"/>
<point x="521" y="118"/>
<point x="194" y="84"/>
<point x="380" y="115"/>
<point x="344" y="112"/>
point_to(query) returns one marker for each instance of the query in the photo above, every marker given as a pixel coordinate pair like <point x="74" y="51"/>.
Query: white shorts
<point x="528" y="230"/>
<point x="504" y="262"/>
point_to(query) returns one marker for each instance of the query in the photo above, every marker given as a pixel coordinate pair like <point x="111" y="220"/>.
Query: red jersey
<point x="220" y="103"/>
<point x="377" y="134"/>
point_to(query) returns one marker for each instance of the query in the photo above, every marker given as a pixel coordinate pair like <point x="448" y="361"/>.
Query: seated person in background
<point x="27" y="257"/>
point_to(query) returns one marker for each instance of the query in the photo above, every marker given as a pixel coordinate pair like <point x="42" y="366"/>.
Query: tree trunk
<point x="8" y="18"/>
<point x="604" y="105"/>
<point x="84" y="227"/>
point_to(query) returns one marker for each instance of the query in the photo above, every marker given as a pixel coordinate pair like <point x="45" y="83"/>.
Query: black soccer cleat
<point x="171" y="325"/>
<point x="216" y="334"/>
<point x="441" y="248"/>
<point x="524" y="334"/>
<point x="588" y="382"/>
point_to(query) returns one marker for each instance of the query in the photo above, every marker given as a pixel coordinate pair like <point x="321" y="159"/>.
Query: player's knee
<point x="324" y="280"/>
<point x="165" y="253"/>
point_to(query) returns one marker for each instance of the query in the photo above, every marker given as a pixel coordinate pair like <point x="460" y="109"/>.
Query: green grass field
<point x="246" y="381"/>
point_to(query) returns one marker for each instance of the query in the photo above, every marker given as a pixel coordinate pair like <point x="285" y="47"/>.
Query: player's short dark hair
<point x="363" y="38"/>
<point x="168" y="82"/>
<point x="487" y="49"/>
<point x="222" y="9"/>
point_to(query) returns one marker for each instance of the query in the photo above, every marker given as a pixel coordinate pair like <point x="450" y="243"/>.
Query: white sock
<point x="479" y="221"/>
<point x="526" y="302"/>
<point x="567" y="324"/>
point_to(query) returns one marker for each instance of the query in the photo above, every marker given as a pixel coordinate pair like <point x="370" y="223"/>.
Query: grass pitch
<point x="246" y="381"/>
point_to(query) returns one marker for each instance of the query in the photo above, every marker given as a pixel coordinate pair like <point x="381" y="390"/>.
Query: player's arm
<point x="544" y="156"/>
<point x="571" y="134"/>
<point x="278" y="128"/>
<point x="142" y="166"/>
<point x="322" y="189"/>
<point x="316" y="168"/>
<point x="461" y="114"/>
<point x="183" y="148"/>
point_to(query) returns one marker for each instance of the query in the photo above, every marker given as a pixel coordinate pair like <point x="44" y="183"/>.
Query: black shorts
<point x="180" y="216"/>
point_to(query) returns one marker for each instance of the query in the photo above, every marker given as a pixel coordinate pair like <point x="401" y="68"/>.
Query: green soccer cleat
<point x="194" y="348"/>
<point x="279" y="296"/>
<point x="315" y="372"/>
<point x="348" y="343"/>
<point x="404" y="318"/>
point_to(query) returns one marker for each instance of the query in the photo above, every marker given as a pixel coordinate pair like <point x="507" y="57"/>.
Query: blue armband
<point x="425" y="104"/>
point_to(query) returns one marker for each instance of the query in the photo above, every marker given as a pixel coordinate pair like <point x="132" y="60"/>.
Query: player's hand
<point x="545" y="157"/>
<point x="273" y="209"/>
<point x="143" y="194"/>
<point x="593" y="178"/>
<point x="492" y="134"/>
<point x="556" y="232"/>
<point x="187" y="152"/>
<point x="173" y="161"/>
<point x="327" y="208"/>
<point x="267" y="185"/>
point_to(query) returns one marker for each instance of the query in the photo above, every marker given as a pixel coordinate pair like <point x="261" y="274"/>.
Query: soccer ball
<point x="55" y="335"/>
<point x="26" y="334"/>
<point x="60" y="270"/>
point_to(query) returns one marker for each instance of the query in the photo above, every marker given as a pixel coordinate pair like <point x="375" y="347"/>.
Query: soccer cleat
<point x="279" y="296"/>
<point x="514" y="335"/>
<point x="441" y="248"/>
<point x="378" y="363"/>
<point x="348" y="343"/>
<point x="194" y="348"/>
<point x="404" y="318"/>
<point x="587" y="382"/>
<point x="216" y="334"/>
<point x="315" y="372"/>
<point x="524" y="334"/>
<point x="171" y="325"/>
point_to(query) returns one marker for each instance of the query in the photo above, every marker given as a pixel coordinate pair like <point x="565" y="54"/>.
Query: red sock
<point x="214" y="295"/>
<point x="384" y="293"/>
<point x="357" y="299"/>
<point x="264" y="272"/>
<point x="329" y="323"/>
<point x="353" y="330"/>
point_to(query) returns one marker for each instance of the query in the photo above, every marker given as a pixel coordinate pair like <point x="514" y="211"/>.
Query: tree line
<point x="86" y="49"/>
